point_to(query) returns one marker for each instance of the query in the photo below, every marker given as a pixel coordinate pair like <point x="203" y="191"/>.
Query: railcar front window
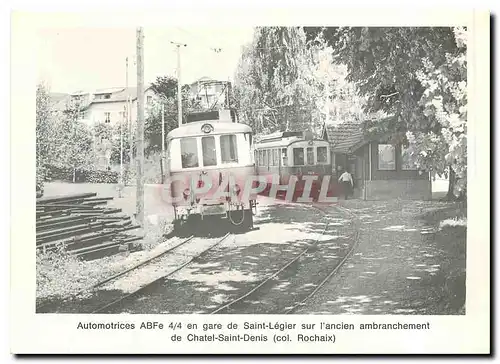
<point x="322" y="155"/>
<point x="310" y="156"/>
<point x="298" y="156"/>
<point x="189" y="153"/>
<point x="228" y="149"/>
<point x="209" y="151"/>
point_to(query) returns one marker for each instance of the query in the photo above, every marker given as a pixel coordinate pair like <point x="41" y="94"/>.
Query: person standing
<point x="347" y="183"/>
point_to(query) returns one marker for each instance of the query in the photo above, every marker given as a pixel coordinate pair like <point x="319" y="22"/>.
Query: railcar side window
<point x="228" y="148"/>
<point x="276" y="161"/>
<point x="322" y="155"/>
<point x="298" y="156"/>
<point x="189" y="153"/>
<point x="209" y="151"/>
<point x="310" y="155"/>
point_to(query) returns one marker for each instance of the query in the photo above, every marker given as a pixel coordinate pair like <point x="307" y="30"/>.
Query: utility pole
<point x="122" y="123"/>
<point x="162" y="143"/>
<point x="131" y="135"/>
<point x="140" y="128"/>
<point x="127" y="112"/>
<point x="179" y="84"/>
<point x="129" y="123"/>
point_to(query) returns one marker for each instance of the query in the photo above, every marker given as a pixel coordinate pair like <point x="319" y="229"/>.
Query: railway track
<point x="109" y="306"/>
<point x="288" y="310"/>
<point x="42" y="307"/>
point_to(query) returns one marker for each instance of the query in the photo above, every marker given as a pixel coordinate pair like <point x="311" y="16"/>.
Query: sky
<point x="71" y="59"/>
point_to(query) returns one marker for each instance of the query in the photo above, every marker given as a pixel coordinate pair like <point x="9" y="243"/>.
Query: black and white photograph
<point x="380" y="112"/>
<point x="253" y="170"/>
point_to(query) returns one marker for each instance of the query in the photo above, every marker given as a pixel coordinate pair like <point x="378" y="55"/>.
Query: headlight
<point x="186" y="193"/>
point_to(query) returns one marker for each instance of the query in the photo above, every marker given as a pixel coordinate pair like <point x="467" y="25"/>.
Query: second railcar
<point x="290" y="154"/>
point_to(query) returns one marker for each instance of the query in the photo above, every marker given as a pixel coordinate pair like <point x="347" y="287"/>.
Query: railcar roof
<point x="194" y="129"/>
<point x="285" y="142"/>
<point x="277" y="143"/>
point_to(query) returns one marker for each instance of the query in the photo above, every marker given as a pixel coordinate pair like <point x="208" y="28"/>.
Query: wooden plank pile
<point x="82" y="226"/>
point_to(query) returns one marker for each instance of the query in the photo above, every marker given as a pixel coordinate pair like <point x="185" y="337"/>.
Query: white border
<point x="32" y="333"/>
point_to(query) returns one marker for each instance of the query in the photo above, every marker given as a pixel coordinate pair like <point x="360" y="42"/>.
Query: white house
<point x="105" y="105"/>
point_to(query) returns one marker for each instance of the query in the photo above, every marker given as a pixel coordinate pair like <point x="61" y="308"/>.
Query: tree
<point x="166" y="88"/>
<point x="274" y="86"/>
<point x="395" y="69"/>
<point x="74" y="142"/>
<point x="445" y="101"/>
<point x="45" y="133"/>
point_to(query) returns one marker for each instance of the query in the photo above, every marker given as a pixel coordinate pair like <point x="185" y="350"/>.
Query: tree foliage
<point x="74" y="141"/>
<point x="281" y="84"/>
<point x="273" y="83"/>
<point x="416" y="75"/>
<point x="45" y="133"/>
<point x="165" y="88"/>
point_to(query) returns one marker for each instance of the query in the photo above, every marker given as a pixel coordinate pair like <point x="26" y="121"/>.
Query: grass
<point x="60" y="274"/>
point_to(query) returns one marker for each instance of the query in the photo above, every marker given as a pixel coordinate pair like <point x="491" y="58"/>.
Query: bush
<point x="98" y="176"/>
<point x="65" y="174"/>
<point x="41" y="173"/>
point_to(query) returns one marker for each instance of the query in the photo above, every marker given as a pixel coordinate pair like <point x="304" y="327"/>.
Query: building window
<point x="228" y="149"/>
<point x="149" y="100"/>
<point x="407" y="164"/>
<point x="322" y="155"/>
<point x="189" y="153"/>
<point x="298" y="156"/>
<point x="386" y="157"/>
<point x="209" y="151"/>
<point x="107" y="117"/>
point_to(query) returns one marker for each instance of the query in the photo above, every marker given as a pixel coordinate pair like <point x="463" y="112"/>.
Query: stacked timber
<point x="83" y="226"/>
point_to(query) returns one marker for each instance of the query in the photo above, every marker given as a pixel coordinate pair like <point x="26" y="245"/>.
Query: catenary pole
<point x="179" y="83"/>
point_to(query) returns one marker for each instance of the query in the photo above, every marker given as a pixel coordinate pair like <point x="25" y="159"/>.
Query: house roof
<point x="345" y="136"/>
<point x="116" y="95"/>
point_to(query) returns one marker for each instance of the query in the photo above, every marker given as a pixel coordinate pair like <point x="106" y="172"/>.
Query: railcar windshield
<point x="298" y="156"/>
<point x="322" y="155"/>
<point x="229" y="149"/>
<point x="189" y="153"/>
<point x="209" y="151"/>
